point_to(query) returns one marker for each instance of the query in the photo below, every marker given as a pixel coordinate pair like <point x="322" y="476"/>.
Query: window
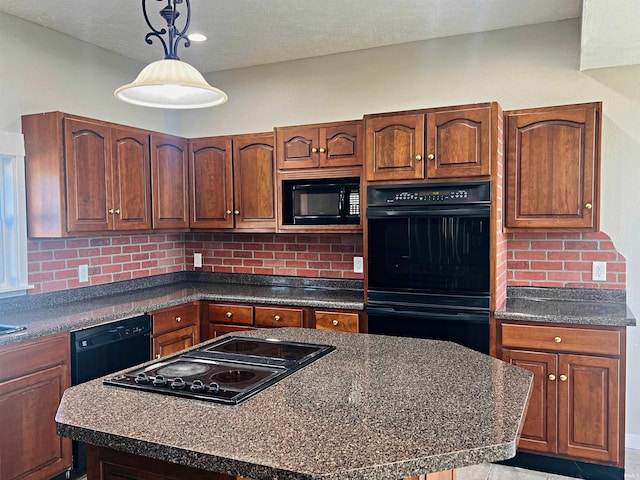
<point x="13" y="230"/>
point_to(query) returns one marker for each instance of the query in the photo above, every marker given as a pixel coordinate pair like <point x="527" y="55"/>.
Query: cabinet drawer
<point x="339" y="321"/>
<point x="239" y="314"/>
<point x="559" y="339"/>
<point x="174" y="319"/>
<point x="32" y="355"/>
<point x="278" y="317"/>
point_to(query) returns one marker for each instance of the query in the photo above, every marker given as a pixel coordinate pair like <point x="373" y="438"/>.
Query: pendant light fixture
<point x="170" y="83"/>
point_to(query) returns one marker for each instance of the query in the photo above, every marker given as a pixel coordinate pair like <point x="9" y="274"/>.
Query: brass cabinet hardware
<point x="431" y="156"/>
<point x="321" y="150"/>
<point x="334" y="322"/>
<point x="314" y="150"/>
<point x="563" y="378"/>
<point x="178" y="319"/>
<point x="588" y="206"/>
<point x="236" y="212"/>
<point x="557" y="339"/>
<point x="418" y="158"/>
<point x="276" y="318"/>
<point x="552" y="377"/>
<point x="229" y="314"/>
<point x="228" y="212"/>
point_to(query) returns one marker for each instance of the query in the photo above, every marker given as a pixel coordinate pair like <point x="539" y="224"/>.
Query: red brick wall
<point x="53" y="263"/>
<point x="563" y="260"/>
<point x="328" y="256"/>
<point x="501" y="239"/>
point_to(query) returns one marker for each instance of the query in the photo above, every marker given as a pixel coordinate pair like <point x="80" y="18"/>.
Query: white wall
<point x="525" y="67"/>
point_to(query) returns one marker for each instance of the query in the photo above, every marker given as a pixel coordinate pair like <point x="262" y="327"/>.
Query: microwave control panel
<point x="425" y="194"/>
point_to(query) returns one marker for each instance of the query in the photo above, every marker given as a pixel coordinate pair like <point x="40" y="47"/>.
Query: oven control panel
<point x="426" y="194"/>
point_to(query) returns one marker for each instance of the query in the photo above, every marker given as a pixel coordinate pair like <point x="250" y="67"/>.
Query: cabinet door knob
<point x="277" y="318"/>
<point x="552" y="377"/>
<point x="321" y="150"/>
<point x="228" y="212"/>
<point x="111" y="211"/>
<point x="431" y="156"/>
<point x="229" y="314"/>
<point x="588" y="206"/>
<point x="157" y="355"/>
<point x="563" y="378"/>
<point x="334" y="322"/>
<point x="117" y="212"/>
<point x="178" y="319"/>
<point x="418" y="158"/>
<point x="236" y="212"/>
<point x="314" y="150"/>
<point x="557" y="339"/>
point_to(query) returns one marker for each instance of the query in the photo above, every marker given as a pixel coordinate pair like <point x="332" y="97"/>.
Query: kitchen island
<point x="375" y="408"/>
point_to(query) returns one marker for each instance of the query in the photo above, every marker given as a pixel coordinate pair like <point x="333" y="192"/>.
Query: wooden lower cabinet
<point x="33" y="376"/>
<point x="341" y="321"/>
<point x="576" y="409"/>
<point x="175" y="329"/>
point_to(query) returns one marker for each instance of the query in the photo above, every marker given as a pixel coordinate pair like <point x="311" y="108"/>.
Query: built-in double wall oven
<point x="428" y="267"/>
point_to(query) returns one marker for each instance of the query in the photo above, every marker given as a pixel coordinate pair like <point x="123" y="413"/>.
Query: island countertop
<point x="377" y="407"/>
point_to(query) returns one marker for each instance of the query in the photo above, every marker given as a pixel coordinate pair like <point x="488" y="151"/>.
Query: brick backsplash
<point x="562" y="260"/>
<point x="328" y="256"/>
<point x="53" y="263"/>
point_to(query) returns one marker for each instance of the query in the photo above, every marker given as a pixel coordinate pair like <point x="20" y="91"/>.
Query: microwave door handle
<point x="341" y="204"/>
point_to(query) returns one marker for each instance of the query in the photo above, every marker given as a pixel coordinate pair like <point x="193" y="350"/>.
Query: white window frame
<point x="13" y="262"/>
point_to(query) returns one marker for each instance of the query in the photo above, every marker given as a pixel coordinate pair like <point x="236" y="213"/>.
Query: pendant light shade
<point x="170" y="83"/>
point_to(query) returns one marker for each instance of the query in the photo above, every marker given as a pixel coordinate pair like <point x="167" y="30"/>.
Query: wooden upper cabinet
<point x="88" y="175"/>
<point x="394" y="147"/>
<point x="211" y="182"/>
<point x="553" y="167"/>
<point x="254" y="181"/>
<point x="169" y="182"/>
<point x="132" y="180"/>
<point x="459" y="143"/>
<point x="336" y="144"/>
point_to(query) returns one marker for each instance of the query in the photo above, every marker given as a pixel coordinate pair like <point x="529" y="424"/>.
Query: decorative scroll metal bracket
<point x="170" y="14"/>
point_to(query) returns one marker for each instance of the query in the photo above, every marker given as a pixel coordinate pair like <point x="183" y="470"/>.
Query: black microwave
<point x="328" y="202"/>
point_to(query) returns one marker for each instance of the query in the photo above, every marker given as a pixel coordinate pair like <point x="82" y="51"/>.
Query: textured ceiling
<point x="244" y="33"/>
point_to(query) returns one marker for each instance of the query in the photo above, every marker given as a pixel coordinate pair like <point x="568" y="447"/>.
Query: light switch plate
<point x="197" y="260"/>
<point x="358" y="265"/>
<point x="83" y="273"/>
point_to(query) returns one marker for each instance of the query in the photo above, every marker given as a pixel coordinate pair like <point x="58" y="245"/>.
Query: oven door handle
<point x="479" y="317"/>
<point x="481" y="210"/>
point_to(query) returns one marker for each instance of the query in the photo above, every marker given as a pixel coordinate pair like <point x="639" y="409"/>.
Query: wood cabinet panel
<point x="394" y="147"/>
<point x="343" y="144"/>
<point x="131" y="206"/>
<point x="553" y="167"/>
<point x="174" y="329"/>
<point x="169" y="182"/>
<point x="211" y="180"/>
<point x="217" y="329"/>
<point x="278" y="317"/>
<point x="176" y="340"/>
<point x="88" y="175"/>
<point x="338" y="321"/>
<point x="459" y="143"/>
<point x="254" y="187"/>
<point x="33" y="377"/>
<point x="229" y="313"/>
<point x="175" y="318"/>
<point x="296" y="147"/>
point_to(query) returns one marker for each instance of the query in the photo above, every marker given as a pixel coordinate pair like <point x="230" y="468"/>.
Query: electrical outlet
<point x="83" y="273"/>
<point x="197" y="260"/>
<point x="358" y="266"/>
<point x="599" y="271"/>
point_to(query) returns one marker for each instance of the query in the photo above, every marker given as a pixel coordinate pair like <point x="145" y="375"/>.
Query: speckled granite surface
<point x="376" y="408"/>
<point x="49" y="315"/>
<point x="567" y="305"/>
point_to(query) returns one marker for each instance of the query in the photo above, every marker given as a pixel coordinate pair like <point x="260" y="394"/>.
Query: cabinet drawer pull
<point x="431" y="156"/>
<point x="588" y="206"/>
<point x="229" y="314"/>
<point x="557" y="339"/>
<point x="552" y="377"/>
<point x="276" y="318"/>
<point x="563" y="378"/>
<point x="334" y="323"/>
<point x="178" y="319"/>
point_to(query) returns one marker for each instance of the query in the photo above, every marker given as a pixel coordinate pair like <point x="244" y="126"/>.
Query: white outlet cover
<point x="358" y="265"/>
<point x="83" y="273"/>
<point x="197" y="260"/>
<point x="599" y="271"/>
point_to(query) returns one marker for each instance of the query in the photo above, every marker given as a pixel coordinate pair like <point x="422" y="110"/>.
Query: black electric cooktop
<point x="227" y="371"/>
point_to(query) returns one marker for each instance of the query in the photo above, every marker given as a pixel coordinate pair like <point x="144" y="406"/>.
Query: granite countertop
<point x="50" y="313"/>
<point x="376" y="408"/>
<point x="580" y="306"/>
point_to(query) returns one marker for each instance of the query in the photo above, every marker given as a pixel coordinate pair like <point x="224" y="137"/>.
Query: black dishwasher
<point x="102" y="350"/>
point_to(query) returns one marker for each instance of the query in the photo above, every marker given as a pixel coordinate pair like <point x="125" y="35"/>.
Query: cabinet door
<point x="552" y="167"/>
<point x="297" y="147"/>
<point x="174" y="341"/>
<point x="211" y="179"/>
<point x="169" y="182"/>
<point x="341" y="145"/>
<point x="459" y="143"/>
<point x="88" y="175"/>
<point x="217" y="329"/>
<point x="31" y="449"/>
<point x="589" y="407"/>
<point x="254" y="181"/>
<point x="539" y="432"/>
<point x="131" y="208"/>
<point x="394" y="147"/>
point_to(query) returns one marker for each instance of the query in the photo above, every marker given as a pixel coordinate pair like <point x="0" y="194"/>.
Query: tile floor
<point x="489" y="471"/>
